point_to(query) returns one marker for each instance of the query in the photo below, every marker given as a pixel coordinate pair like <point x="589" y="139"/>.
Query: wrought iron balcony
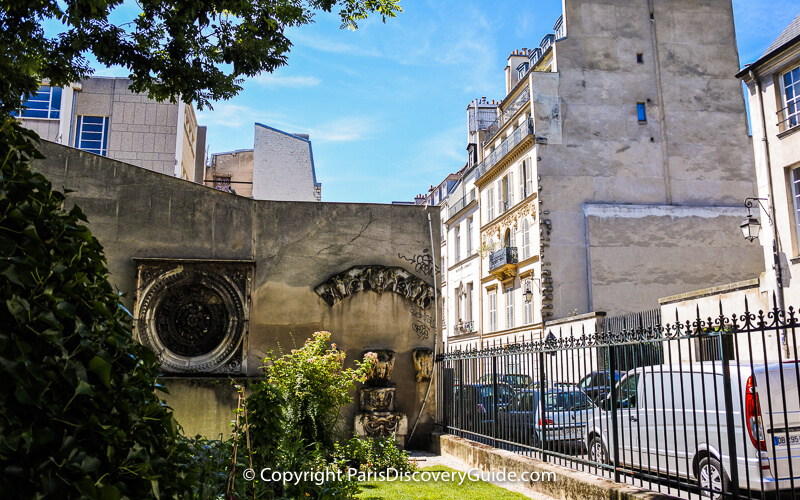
<point x="503" y="263"/>
<point x="507" y="145"/>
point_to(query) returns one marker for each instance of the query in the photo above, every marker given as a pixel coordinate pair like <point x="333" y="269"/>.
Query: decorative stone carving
<point x="423" y="363"/>
<point x="377" y="398"/>
<point x="382" y="424"/>
<point x="381" y="372"/>
<point x="194" y="314"/>
<point x="378" y="279"/>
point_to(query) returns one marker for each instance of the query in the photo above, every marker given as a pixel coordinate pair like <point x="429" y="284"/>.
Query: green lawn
<point x="441" y="490"/>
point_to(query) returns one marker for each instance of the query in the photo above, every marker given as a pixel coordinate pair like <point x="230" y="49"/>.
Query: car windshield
<point x="521" y="380"/>
<point x="503" y="392"/>
<point x="567" y="401"/>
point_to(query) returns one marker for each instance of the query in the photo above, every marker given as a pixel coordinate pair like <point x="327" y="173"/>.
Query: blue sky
<point x="385" y="105"/>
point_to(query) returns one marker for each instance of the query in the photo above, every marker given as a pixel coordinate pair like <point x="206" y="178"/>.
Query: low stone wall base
<point x="568" y="484"/>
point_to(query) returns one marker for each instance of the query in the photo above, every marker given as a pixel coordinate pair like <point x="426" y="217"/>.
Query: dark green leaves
<point x="192" y="49"/>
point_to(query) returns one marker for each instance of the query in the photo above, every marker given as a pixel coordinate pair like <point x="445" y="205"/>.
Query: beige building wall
<point x="237" y="166"/>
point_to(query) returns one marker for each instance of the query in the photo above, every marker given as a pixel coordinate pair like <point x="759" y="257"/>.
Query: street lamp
<point x="750" y="228"/>
<point x="528" y="294"/>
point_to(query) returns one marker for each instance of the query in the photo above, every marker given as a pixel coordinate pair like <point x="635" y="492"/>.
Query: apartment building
<point x="102" y="116"/>
<point x="773" y="90"/>
<point x="279" y="167"/>
<point x="614" y="169"/>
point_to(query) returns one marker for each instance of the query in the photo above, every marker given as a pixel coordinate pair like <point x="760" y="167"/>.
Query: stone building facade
<point x="615" y="169"/>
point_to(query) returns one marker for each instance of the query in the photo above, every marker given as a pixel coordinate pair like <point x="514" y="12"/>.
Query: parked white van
<point x="672" y="423"/>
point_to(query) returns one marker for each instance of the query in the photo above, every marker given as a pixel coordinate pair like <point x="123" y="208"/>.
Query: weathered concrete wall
<point x="238" y="165"/>
<point x="641" y="253"/>
<point x="295" y="245"/>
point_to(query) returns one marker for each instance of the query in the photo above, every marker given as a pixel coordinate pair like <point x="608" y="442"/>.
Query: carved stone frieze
<point x="377" y="398"/>
<point x="423" y="363"/>
<point x="194" y="314"/>
<point x="379" y="279"/>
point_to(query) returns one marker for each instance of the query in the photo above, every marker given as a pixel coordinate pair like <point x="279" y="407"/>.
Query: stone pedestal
<point x="378" y="418"/>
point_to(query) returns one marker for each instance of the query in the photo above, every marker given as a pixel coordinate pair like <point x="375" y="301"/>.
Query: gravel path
<point x="427" y="459"/>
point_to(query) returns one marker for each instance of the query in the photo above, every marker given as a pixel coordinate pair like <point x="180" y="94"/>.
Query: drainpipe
<point x="775" y="240"/>
<point x="437" y="326"/>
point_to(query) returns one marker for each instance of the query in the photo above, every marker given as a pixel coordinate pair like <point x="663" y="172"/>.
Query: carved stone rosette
<point x="194" y="314"/>
<point x="423" y="363"/>
<point x="379" y="279"/>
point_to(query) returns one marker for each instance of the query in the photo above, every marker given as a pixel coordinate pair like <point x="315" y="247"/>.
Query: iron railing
<point x="695" y="408"/>
<point x="461" y="203"/>
<point x="507" y="145"/>
<point x="789" y="117"/>
<point x="506" y="255"/>
<point x="464" y="328"/>
<point x="507" y="114"/>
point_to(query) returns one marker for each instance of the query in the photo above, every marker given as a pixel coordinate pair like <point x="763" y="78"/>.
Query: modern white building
<point x="102" y="116"/>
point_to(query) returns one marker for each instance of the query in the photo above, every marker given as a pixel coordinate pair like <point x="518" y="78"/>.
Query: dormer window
<point x="521" y="70"/>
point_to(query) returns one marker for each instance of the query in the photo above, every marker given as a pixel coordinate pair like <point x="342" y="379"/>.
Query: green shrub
<point x="315" y="384"/>
<point x="373" y="455"/>
<point x="79" y="416"/>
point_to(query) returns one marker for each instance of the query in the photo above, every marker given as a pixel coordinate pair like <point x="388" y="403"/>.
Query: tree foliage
<point x="79" y="415"/>
<point x="195" y="49"/>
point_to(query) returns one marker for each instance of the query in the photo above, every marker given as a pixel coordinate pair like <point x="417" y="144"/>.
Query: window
<point x="492" y="311"/>
<point x="510" y="307"/>
<point x="521" y="70"/>
<point x="796" y="198"/>
<point x="490" y="204"/>
<point x="457" y="248"/>
<point x="46" y="103"/>
<point x="500" y="200"/>
<point x="641" y="113"/>
<point x="223" y="183"/>
<point x="639" y="58"/>
<point x="526" y="238"/>
<point x="469" y="236"/>
<point x="92" y="134"/>
<point x="468" y="305"/>
<point x="457" y="294"/>
<point x="626" y="392"/>
<point x="791" y="99"/>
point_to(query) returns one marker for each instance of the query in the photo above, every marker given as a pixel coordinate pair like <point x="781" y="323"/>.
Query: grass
<point x="434" y="490"/>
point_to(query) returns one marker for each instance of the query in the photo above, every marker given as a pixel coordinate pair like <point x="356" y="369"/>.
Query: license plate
<point x="794" y="439"/>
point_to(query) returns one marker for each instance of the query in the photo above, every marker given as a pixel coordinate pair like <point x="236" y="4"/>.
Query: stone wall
<point x="295" y="246"/>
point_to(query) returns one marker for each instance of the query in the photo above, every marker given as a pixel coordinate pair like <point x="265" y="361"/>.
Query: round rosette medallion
<point x="193" y="320"/>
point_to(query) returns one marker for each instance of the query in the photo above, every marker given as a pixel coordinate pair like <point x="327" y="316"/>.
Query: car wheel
<point x="598" y="452"/>
<point x="713" y="478"/>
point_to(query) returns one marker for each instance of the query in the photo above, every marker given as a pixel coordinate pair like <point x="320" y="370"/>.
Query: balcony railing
<point x="506" y="255"/>
<point x="789" y="117"/>
<point x="507" y="145"/>
<point x="464" y="328"/>
<point x="507" y="114"/>
<point x="460" y="204"/>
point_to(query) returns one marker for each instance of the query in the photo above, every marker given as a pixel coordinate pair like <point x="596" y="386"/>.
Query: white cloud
<point x="272" y="80"/>
<point x="347" y="129"/>
<point x="230" y="115"/>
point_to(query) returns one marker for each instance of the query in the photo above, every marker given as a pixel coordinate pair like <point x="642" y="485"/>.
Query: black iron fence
<point x="704" y="407"/>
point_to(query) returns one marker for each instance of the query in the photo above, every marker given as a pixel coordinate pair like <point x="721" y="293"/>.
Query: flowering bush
<point x="315" y="384"/>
